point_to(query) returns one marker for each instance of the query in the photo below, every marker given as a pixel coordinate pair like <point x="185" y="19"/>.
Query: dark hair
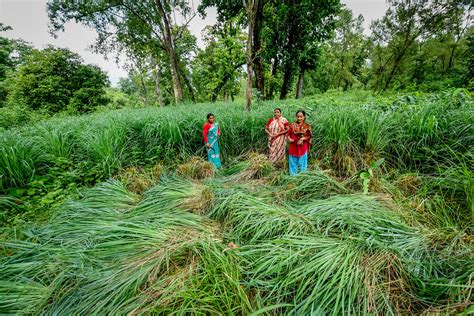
<point x="209" y="115"/>
<point x="302" y="112"/>
<point x="278" y="110"/>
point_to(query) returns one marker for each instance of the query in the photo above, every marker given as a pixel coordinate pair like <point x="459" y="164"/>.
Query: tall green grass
<point x="349" y="131"/>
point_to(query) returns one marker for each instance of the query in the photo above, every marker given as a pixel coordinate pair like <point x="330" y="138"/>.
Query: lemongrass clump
<point x="315" y="184"/>
<point x="94" y="258"/>
<point x="253" y="218"/>
<point x="316" y="274"/>
<point x="255" y="166"/>
<point x="196" y="168"/>
<point x="177" y="193"/>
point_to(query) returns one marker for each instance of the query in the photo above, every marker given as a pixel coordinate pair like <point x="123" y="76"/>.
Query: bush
<point x="54" y="79"/>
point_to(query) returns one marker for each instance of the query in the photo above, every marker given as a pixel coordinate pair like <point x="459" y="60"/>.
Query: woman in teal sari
<point x="210" y="133"/>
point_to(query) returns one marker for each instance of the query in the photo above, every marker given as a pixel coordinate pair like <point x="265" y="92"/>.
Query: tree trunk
<point x="299" y="88"/>
<point x="248" y="92"/>
<point x="271" y="87"/>
<point x="169" y="46"/>
<point x="190" y="87"/>
<point x="286" y="82"/>
<point x="157" y="87"/>
<point x="256" y="49"/>
<point x="451" y="58"/>
<point x="398" y="58"/>
<point x="144" y="91"/>
<point x="251" y="12"/>
<point x="392" y="72"/>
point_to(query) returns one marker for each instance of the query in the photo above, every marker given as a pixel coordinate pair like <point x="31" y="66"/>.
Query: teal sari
<point x="213" y="155"/>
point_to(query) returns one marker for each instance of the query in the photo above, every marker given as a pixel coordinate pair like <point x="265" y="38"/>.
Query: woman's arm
<point x="306" y="137"/>
<point x="266" y="127"/>
<point x="285" y="131"/>
<point x="291" y="136"/>
<point x="205" y="130"/>
<point x="267" y="130"/>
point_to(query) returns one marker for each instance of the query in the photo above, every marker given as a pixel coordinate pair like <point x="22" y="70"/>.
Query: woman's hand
<point x="208" y="145"/>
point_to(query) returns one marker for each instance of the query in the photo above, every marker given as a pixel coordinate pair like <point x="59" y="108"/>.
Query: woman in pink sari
<point x="277" y="128"/>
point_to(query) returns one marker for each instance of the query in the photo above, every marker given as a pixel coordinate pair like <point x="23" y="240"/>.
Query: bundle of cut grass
<point x="364" y="218"/>
<point x="135" y="179"/>
<point x="320" y="275"/>
<point x="255" y="166"/>
<point x="254" y="218"/>
<point x="97" y="257"/>
<point x="177" y="193"/>
<point x="209" y="284"/>
<point x="315" y="184"/>
<point x="196" y="168"/>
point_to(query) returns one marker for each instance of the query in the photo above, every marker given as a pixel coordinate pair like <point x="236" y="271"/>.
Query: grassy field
<point x="116" y="213"/>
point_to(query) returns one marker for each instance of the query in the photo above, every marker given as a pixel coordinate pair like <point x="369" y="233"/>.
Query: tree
<point x="12" y="53"/>
<point x="404" y="23"/>
<point x="252" y="10"/>
<point x="136" y="25"/>
<point x="54" y="79"/>
<point x="346" y="54"/>
<point x="217" y="68"/>
<point x="299" y="34"/>
<point x="284" y="34"/>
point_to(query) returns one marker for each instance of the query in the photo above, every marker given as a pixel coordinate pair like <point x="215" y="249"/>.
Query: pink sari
<point x="277" y="146"/>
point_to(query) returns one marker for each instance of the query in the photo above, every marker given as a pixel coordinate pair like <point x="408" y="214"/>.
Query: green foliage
<point x="293" y="37"/>
<point x="420" y="42"/>
<point x="144" y="31"/>
<point x="12" y="53"/>
<point x="217" y="68"/>
<point x="8" y="208"/>
<point x="17" y="115"/>
<point x="366" y="175"/>
<point x="54" y="80"/>
<point x="342" y="61"/>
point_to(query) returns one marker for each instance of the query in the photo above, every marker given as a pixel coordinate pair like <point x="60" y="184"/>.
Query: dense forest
<point x="260" y="50"/>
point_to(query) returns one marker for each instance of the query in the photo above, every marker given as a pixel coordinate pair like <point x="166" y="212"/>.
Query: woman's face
<point x="277" y="114"/>
<point x="299" y="117"/>
<point x="211" y="119"/>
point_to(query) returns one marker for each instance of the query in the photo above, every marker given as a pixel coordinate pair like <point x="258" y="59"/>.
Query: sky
<point x="29" y="21"/>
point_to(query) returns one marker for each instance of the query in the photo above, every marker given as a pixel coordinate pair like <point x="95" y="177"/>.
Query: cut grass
<point x="186" y="247"/>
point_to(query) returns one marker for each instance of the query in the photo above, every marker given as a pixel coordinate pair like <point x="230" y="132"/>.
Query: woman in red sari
<point x="299" y="137"/>
<point x="276" y="128"/>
